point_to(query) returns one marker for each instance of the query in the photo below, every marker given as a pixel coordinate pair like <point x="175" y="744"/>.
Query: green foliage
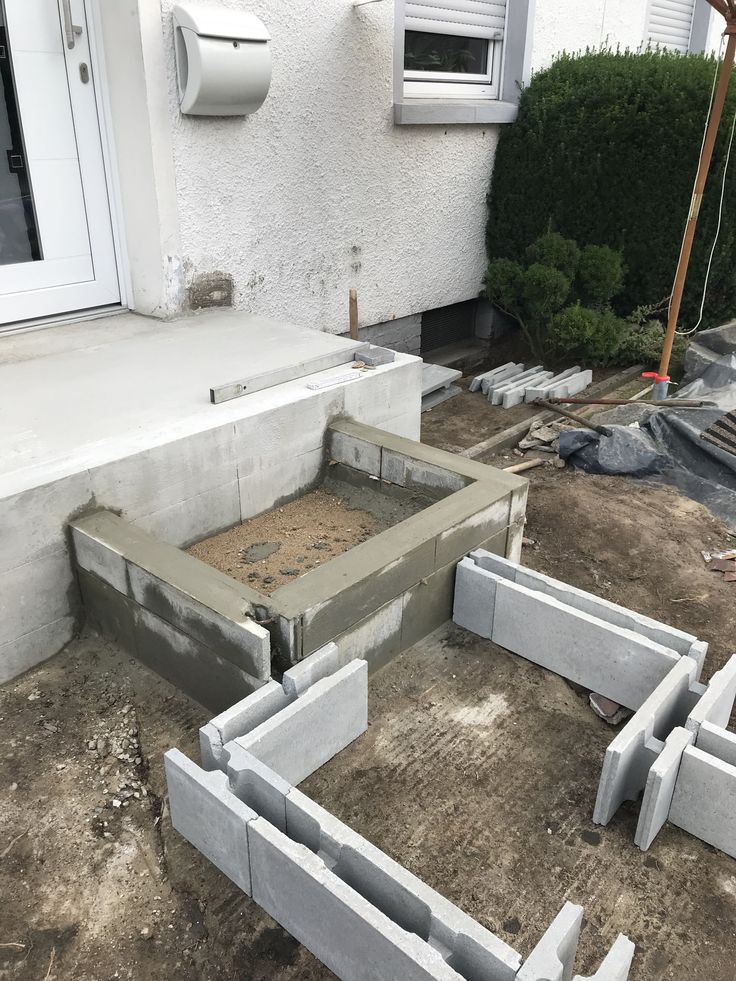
<point x="554" y="250"/>
<point x="600" y="275"/>
<point x="604" y="151"/>
<point x="543" y="291"/>
<point x="549" y="303"/>
<point x="595" y="335"/>
<point x="642" y="342"/>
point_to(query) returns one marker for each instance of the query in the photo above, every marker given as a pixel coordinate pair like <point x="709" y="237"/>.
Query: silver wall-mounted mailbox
<point x="223" y="60"/>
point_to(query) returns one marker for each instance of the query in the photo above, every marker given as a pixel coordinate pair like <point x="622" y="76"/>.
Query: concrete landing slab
<point x="436" y="376"/>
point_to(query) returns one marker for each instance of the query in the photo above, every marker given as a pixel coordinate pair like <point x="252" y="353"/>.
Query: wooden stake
<point x="354" y="315"/>
<point x="700" y="182"/>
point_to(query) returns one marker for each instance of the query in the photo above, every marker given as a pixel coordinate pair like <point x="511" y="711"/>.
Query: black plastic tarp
<point x="666" y="444"/>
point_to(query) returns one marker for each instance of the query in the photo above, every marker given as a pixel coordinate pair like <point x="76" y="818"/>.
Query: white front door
<point x="57" y="253"/>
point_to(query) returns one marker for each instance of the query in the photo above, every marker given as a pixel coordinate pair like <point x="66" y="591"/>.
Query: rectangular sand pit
<point x="283" y="544"/>
<point x="388" y="582"/>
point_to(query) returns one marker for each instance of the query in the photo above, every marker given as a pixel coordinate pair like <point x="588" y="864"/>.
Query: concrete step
<point x="436" y="376"/>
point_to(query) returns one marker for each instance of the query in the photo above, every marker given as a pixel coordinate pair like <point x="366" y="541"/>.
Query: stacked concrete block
<point x="361" y="913"/>
<point x="562" y="386"/>
<point x="716" y="704"/>
<point x="616" y="662"/>
<point x="704" y="799"/>
<point x="676" y="748"/>
<point x="660" y="787"/>
<point x="512" y="384"/>
<point x="269" y="724"/>
<point x="497" y="391"/>
<point x="184" y="619"/>
<point x="632" y="753"/>
<point x="554" y="956"/>
<point x="579" y="599"/>
<point x="481" y="382"/>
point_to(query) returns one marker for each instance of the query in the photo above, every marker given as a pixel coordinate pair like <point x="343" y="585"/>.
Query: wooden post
<point x="700" y="182"/>
<point x="354" y="314"/>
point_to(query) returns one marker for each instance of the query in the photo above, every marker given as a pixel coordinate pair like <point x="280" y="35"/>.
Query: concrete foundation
<point x="675" y="749"/>
<point x="120" y="419"/>
<point x="356" y="909"/>
<point x="372" y="601"/>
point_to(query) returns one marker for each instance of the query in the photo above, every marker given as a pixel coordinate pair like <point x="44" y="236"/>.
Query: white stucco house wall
<point x="354" y="173"/>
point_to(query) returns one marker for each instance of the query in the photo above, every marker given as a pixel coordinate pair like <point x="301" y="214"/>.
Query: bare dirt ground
<point x="272" y="549"/>
<point x="478" y="772"/>
<point x="485" y="768"/>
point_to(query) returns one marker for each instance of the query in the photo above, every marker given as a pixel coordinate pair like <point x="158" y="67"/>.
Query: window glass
<point x="445" y="53"/>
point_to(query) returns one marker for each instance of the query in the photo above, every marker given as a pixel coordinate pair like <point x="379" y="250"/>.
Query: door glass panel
<point x="18" y="229"/>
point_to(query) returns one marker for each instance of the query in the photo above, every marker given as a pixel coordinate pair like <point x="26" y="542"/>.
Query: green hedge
<point x="604" y="151"/>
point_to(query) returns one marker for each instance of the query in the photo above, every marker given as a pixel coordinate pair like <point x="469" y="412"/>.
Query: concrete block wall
<point x="361" y="913"/>
<point x="403" y="334"/>
<point x="615" y="661"/>
<point x="181" y="486"/>
<point x="184" y="619"/>
<point x="676" y="748"/>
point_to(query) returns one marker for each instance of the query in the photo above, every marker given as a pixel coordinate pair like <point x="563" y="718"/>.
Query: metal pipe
<point x="669" y="403"/>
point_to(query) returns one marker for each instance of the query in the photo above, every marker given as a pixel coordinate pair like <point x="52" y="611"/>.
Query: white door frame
<point x="111" y="184"/>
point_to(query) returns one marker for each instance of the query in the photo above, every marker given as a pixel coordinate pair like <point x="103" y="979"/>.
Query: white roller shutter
<point x="670" y="24"/>
<point x="464" y="18"/>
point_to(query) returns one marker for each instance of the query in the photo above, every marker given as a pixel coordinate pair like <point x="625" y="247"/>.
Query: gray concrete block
<point x="554" y="956"/>
<point x="224" y="627"/>
<point x="515" y="396"/>
<point x="618" y="616"/>
<point x="94" y="553"/>
<point x="617" y="663"/>
<point x="361" y="454"/>
<point x="717" y="742"/>
<point x="188" y="665"/>
<point x="375" y="356"/>
<point x="315" y="667"/>
<point x="717" y="703"/>
<point x="206" y="812"/>
<point x="655" y="805"/>
<point x="503" y="371"/>
<point x="427" y="605"/>
<point x="376" y="638"/>
<point x="499" y="387"/>
<point x="698" y="651"/>
<point x="572" y="386"/>
<point x="617" y="963"/>
<point x="239" y="719"/>
<point x="258" y="786"/>
<point x="467" y="532"/>
<point x="435" y="376"/>
<point x="407" y="901"/>
<point x="109" y="612"/>
<point x="541" y="391"/>
<point x="339" y="926"/>
<point x="515" y="540"/>
<point x="334" y="712"/>
<point x="398" y="468"/>
<point x="704" y="802"/>
<point x="636" y="747"/>
<point x="475" y="598"/>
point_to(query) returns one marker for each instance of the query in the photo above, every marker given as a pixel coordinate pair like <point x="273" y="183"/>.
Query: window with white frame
<point x="453" y="48"/>
<point x="670" y="24"/>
